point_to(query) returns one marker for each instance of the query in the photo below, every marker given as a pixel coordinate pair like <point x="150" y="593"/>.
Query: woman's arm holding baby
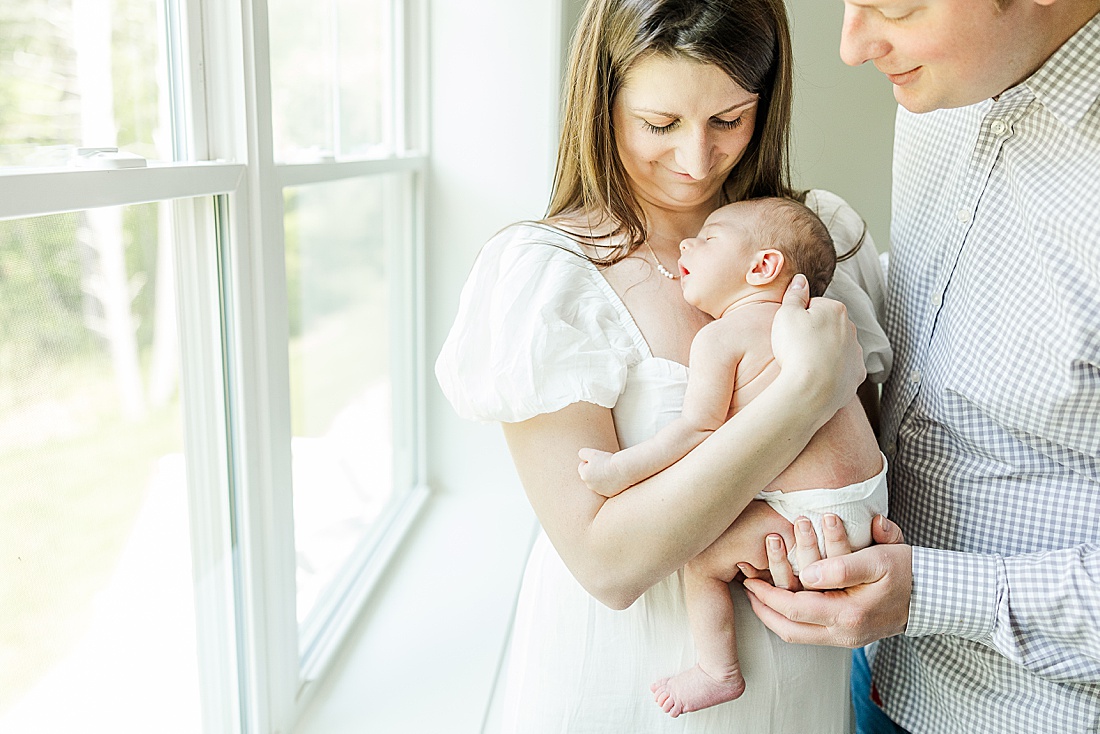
<point x="619" y="547"/>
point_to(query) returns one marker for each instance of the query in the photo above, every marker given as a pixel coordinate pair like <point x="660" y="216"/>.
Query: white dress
<point x="539" y="328"/>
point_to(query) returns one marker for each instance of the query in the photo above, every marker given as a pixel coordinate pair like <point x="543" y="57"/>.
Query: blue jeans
<point x="869" y="717"/>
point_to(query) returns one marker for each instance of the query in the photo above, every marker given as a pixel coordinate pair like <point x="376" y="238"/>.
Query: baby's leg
<point x="717" y="677"/>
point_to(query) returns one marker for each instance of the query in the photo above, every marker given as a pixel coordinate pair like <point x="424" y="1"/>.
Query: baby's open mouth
<point x="683" y="271"/>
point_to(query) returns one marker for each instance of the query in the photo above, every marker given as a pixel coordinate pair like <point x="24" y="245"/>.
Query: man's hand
<point x="867" y="595"/>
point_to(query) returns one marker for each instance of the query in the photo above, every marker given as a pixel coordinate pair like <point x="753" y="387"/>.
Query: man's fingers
<point x="862" y="567"/>
<point x="885" y="532"/>
<point x="786" y="629"/>
<point x="802" y="607"/>
<point x="869" y="599"/>
<point x="804" y="617"/>
<point x="806" y="549"/>
<point x="782" y="575"/>
<point x="836" y="536"/>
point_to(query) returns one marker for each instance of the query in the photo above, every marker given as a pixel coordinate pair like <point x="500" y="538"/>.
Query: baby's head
<point x="758" y="243"/>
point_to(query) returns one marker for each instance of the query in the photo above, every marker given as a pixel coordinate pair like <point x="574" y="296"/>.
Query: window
<point x="210" y="368"/>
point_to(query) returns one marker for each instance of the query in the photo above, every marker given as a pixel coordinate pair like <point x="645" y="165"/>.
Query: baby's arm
<point x="714" y="359"/>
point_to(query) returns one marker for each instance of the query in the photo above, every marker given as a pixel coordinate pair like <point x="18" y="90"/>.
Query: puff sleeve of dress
<point x="535" y="332"/>
<point x="858" y="282"/>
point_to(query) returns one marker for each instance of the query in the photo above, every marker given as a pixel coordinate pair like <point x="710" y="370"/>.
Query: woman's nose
<point x="859" y="42"/>
<point x="693" y="155"/>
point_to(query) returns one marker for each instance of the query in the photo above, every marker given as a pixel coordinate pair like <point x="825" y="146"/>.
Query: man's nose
<point x="859" y="41"/>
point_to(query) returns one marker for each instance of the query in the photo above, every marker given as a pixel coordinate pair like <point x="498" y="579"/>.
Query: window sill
<point x="425" y="653"/>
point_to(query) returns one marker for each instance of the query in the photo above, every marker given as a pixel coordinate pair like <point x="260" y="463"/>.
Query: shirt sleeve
<point x="858" y="282"/>
<point x="1039" y="610"/>
<point x="535" y="332"/>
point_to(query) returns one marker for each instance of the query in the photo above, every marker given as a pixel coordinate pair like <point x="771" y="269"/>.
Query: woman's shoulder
<point x="858" y="281"/>
<point x="534" y="332"/>
<point x="837" y="214"/>
<point x="849" y="231"/>
<point x="530" y="245"/>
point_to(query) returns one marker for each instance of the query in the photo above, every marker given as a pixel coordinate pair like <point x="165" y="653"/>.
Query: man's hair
<point x="793" y="229"/>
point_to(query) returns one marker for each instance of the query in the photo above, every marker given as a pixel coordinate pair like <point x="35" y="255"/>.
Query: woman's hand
<point x="815" y="344"/>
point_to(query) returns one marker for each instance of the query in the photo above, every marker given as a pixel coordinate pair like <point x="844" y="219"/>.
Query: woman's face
<point x="680" y="128"/>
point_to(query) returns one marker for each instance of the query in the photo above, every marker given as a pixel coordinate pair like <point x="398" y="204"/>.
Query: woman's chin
<point x="692" y="199"/>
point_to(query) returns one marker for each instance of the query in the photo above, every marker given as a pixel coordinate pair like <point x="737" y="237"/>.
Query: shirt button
<point x="891" y="449"/>
<point x="963" y="215"/>
<point x="998" y="127"/>
<point x="937" y="300"/>
<point x="914" y="377"/>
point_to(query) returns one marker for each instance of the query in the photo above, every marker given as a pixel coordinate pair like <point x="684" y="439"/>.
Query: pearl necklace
<point x="660" y="268"/>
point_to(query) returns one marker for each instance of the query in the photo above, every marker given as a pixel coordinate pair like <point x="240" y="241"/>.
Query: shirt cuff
<point x="953" y="594"/>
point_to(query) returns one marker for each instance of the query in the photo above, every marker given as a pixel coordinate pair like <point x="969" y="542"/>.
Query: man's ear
<point x="766" y="267"/>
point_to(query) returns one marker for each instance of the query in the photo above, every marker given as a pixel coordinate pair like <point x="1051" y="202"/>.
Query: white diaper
<point x="856" y="505"/>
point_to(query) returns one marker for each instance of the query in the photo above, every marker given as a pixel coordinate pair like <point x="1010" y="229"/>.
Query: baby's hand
<point x="598" y="472"/>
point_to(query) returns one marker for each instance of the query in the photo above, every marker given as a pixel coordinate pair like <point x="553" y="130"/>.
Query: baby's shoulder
<point x="740" y="332"/>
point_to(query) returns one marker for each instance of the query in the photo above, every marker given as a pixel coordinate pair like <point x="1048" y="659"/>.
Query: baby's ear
<point x="767" y="265"/>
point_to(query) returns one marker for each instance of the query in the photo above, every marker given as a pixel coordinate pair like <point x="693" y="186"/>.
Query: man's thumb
<point x="883" y="531"/>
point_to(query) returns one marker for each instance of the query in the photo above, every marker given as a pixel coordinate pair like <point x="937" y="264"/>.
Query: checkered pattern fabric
<point x="991" y="419"/>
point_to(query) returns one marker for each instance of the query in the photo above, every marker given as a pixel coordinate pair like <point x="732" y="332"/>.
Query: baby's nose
<point x="684" y="244"/>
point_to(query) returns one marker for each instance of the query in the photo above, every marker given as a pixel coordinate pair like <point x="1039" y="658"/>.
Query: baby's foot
<point x="598" y="472"/>
<point x="693" y="689"/>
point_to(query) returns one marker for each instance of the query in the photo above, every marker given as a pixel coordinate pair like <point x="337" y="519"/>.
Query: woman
<point x="573" y="332"/>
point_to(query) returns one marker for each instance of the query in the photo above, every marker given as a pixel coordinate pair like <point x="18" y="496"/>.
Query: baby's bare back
<point x="844" y="451"/>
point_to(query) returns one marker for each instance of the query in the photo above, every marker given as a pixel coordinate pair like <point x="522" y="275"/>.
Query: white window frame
<point x="232" y="304"/>
<point x="278" y="678"/>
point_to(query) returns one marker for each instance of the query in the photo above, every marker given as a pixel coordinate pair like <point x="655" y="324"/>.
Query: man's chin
<point x="914" y="102"/>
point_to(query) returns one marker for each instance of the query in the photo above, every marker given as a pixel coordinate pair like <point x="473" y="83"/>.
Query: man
<point x="991" y="419"/>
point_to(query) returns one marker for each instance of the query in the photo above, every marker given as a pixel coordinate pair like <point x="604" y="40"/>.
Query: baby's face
<point x="714" y="263"/>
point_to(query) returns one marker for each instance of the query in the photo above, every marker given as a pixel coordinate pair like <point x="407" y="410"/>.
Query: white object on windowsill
<point x="107" y="158"/>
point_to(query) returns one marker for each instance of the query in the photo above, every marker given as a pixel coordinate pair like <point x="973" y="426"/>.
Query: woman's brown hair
<point x="748" y="39"/>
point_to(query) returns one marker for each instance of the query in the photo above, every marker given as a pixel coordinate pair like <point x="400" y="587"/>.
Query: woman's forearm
<point x="619" y="547"/>
<point x="684" y="508"/>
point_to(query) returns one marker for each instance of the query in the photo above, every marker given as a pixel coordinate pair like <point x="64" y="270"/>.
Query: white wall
<point x="843" y="129"/>
<point x="495" y="70"/>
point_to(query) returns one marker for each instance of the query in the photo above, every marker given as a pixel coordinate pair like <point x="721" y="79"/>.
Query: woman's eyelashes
<point x="660" y="129"/>
<point x="729" y="124"/>
<point x="717" y="122"/>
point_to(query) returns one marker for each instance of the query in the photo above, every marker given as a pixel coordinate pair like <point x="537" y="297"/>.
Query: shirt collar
<point x="1068" y="84"/>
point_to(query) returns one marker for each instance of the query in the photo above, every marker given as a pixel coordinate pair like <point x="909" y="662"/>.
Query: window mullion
<point x="237" y="91"/>
<point x="206" y="439"/>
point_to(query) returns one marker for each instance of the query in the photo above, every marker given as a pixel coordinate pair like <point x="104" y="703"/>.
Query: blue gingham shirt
<point x="991" y="418"/>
